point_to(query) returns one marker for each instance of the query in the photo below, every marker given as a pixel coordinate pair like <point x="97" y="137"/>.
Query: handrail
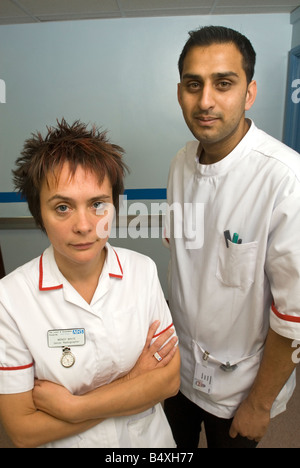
<point x="19" y="222"/>
<point x="27" y="222"/>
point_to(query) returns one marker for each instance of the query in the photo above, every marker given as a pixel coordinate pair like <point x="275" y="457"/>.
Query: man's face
<point x="214" y="93"/>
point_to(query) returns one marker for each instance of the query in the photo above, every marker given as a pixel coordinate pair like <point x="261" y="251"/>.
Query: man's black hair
<point x="210" y="35"/>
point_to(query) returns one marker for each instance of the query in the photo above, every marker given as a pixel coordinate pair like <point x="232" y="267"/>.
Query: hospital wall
<point x="122" y="75"/>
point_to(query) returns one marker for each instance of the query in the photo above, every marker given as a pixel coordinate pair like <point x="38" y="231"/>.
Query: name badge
<point x="203" y="378"/>
<point x="66" y="338"/>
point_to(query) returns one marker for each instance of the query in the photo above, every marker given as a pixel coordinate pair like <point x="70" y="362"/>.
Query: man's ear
<point x="251" y="95"/>
<point x="179" y="93"/>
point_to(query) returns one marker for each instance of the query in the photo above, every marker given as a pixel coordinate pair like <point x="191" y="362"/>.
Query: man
<point x="235" y="299"/>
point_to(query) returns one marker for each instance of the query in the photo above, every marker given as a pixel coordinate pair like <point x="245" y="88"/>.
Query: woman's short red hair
<point x="77" y="146"/>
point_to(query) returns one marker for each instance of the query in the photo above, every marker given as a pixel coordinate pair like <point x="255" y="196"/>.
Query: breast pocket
<point x="236" y="264"/>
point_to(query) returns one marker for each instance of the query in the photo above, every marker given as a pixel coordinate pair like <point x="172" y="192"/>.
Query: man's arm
<point x="253" y="416"/>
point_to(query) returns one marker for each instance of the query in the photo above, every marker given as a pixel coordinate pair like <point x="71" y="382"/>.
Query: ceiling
<point x="38" y="11"/>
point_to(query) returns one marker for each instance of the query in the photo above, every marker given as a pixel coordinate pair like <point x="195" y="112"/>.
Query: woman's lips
<point x="85" y="246"/>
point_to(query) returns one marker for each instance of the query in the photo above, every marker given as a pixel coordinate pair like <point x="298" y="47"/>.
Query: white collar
<point x="50" y="278"/>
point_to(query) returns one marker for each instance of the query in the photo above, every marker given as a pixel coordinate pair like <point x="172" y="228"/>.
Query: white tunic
<point x="221" y="297"/>
<point x="36" y="298"/>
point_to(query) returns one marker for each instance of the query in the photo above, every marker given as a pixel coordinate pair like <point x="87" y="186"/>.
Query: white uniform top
<point x="221" y="297"/>
<point x="37" y="298"/>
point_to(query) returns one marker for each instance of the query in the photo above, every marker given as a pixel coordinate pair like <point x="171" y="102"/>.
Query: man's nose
<point x="206" y="98"/>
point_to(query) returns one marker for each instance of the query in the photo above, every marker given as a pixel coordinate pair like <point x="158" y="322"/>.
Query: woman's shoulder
<point x="23" y="273"/>
<point x="134" y="260"/>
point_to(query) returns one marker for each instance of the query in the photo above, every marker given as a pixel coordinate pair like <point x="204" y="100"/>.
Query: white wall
<point x="121" y="74"/>
<point x="295" y="20"/>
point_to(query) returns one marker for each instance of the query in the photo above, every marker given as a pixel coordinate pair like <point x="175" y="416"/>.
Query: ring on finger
<point x="158" y="357"/>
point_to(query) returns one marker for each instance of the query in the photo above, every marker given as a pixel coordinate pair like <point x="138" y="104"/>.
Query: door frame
<point x="292" y="110"/>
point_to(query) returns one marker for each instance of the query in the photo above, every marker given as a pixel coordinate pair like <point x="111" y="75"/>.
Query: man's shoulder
<point x="275" y="150"/>
<point x="187" y="154"/>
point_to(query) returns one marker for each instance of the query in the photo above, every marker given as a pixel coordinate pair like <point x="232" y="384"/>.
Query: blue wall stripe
<point x="132" y="194"/>
<point x="11" y="197"/>
<point x="146" y="194"/>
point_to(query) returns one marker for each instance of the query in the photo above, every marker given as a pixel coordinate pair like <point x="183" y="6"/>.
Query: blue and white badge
<point x="66" y="338"/>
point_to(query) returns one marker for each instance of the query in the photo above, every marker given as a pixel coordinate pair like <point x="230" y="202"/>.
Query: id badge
<point x="69" y="337"/>
<point x="203" y="378"/>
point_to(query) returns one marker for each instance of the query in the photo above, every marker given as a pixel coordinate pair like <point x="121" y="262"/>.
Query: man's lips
<point x="206" y="121"/>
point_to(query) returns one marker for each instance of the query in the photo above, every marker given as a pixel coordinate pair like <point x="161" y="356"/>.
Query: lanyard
<point x="202" y="355"/>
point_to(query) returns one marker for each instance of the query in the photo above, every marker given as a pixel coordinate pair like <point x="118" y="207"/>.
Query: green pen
<point x="235" y="238"/>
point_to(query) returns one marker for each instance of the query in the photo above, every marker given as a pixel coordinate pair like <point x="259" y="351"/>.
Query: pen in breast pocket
<point x="227" y="237"/>
<point x="235" y="239"/>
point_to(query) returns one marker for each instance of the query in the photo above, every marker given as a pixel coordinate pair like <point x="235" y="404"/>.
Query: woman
<point x="87" y="320"/>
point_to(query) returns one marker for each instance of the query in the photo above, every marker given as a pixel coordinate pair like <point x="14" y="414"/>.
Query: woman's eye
<point x="62" y="209"/>
<point x="97" y="205"/>
<point x="100" y="208"/>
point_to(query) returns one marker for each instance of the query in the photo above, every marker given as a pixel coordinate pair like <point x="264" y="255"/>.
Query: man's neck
<point x="211" y="154"/>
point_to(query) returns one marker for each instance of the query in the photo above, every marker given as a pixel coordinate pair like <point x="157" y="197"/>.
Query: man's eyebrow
<point x="227" y="74"/>
<point x="218" y="75"/>
<point x="191" y="76"/>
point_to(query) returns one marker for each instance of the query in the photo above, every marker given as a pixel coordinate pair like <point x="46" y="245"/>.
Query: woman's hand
<point x="60" y="403"/>
<point x="164" y="346"/>
<point x="52" y="399"/>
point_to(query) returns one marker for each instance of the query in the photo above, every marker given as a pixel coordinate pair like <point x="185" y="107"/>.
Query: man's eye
<point x="224" y="85"/>
<point x="193" y="86"/>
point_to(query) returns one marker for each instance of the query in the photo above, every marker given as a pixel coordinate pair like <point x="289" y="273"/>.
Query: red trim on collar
<point x="287" y="318"/>
<point x="16" y="368"/>
<point x="60" y="286"/>
<point x="41" y="288"/>
<point x="112" y="275"/>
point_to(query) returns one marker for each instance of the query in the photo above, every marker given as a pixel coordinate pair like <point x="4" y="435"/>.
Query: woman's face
<point x="72" y="208"/>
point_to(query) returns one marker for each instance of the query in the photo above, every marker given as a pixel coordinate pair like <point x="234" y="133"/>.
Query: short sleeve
<point x="283" y="266"/>
<point x="16" y="363"/>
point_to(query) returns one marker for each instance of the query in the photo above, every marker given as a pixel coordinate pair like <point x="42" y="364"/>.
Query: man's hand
<point x="250" y="422"/>
<point x="253" y="416"/>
